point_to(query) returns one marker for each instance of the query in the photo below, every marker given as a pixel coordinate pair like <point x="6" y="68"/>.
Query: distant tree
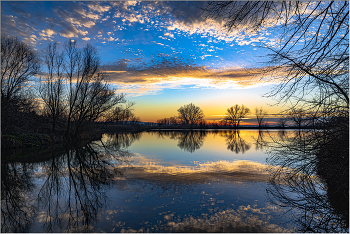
<point x="135" y="120"/>
<point x="298" y="116"/>
<point x="190" y="114"/>
<point x="162" y="121"/>
<point x="260" y="115"/>
<point x="173" y="120"/>
<point x="235" y="114"/>
<point x="282" y="121"/>
<point x="18" y="64"/>
<point x="122" y="112"/>
<point x="223" y="122"/>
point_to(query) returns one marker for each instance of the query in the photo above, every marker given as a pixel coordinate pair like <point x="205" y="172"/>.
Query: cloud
<point x="96" y="6"/>
<point x="47" y="34"/>
<point x="67" y="19"/>
<point x="8" y="21"/>
<point x="77" y="19"/>
<point x="175" y="73"/>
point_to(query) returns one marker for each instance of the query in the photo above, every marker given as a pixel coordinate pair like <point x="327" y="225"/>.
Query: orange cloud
<point x="153" y="79"/>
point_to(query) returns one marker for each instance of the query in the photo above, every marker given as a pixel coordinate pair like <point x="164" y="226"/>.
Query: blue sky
<point x="161" y="54"/>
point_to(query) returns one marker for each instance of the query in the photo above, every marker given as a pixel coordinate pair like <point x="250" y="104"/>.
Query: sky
<point x="162" y="55"/>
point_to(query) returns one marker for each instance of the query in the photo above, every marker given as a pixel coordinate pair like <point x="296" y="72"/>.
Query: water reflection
<point x="16" y="209"/>
<point x="198" y="173"/>
<point x="229" y="221"/>
<point x="71" y="194"/>
<point x="102" y="185"/>
<point x="79" y="179"/>
<point x="259" y="144"/>
<point x="314" y="186"/>
<point x="189" y="141"/>
<point x="235" y="143"/>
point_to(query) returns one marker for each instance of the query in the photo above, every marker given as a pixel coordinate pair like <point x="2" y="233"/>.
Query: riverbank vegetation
<point x="59" y="94"/>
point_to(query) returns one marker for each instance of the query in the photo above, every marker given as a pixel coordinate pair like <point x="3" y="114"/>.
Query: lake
<point x="170" y="181"/>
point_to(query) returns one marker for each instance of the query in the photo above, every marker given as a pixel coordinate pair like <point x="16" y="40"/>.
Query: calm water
<point x="164" y="181"/>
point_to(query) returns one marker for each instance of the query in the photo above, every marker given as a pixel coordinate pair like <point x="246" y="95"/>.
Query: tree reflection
<point x="121" y="140"/>
<point x="73" y="191"/>
<point x="235" y="143"/>
<point x="189" y="141"/>
<point x="75" y="186"/>
<point x="16" y="210"/>
<point x="259" y="144"/>
<point x="315" y="170"/>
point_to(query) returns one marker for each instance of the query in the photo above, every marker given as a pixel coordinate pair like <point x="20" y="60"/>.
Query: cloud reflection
<point x="240" y="170"/>
<point x="244" y="219"/>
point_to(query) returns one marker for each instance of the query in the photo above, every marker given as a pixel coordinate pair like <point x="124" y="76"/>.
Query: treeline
<point x="191" y="115"/>
<point x="61" y="92"/>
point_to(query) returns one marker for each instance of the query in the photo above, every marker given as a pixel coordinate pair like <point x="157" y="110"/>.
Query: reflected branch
<point x="235" y="143"/>
<point x="191" y="141"/>
<point x="311" y="178"/>
<point x="17" y="210"/>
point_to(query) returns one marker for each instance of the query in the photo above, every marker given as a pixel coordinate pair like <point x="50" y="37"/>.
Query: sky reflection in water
<point x="179" y="181"/>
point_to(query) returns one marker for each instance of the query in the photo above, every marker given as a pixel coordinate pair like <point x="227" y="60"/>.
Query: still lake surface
<point x="162" y="181"/>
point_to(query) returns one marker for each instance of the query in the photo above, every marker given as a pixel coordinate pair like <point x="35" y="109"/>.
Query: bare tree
<point x="89" y="95"/>
<point x="190" y="114"/>
<point x="172" y="121"/>
<point x="73" y="69"/>
<point x="298" y="116"/>
<point x="122" y="113"/>
<point x="18" y="64"/>
<point x="51" y="90"/>
<point x="235" y="114"/>
<point x="260" y="115"/>
<point x="312" y="56"/>
<point x="282" y="121"/>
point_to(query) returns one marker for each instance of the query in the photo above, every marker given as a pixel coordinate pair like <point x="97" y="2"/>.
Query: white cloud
<point x="96" y="7"/>
<point x="47" y="34"/>
<point x="75" y="22"/>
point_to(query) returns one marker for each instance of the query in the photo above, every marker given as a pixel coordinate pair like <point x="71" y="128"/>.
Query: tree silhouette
<point x="311" y="59"/>
<point x="190" y="114"/>
<point x="51" y="89"/>
<point x="298" y="116"/>
<point x="19" y="63"/>
<point x="260" y="115"/>
<point x="235" y="114"/>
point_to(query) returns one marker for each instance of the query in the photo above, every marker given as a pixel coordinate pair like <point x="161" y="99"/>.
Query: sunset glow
<point x="160" y="57"/>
